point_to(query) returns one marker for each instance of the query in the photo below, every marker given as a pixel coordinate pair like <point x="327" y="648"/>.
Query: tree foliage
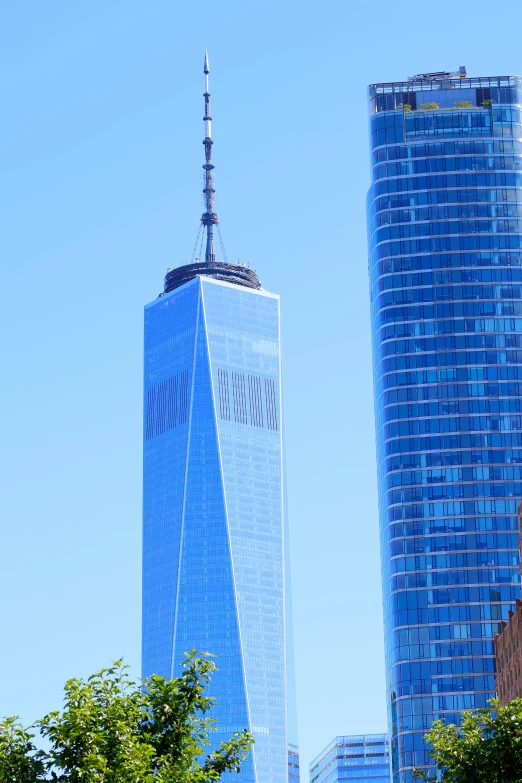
<point x="114" y="730"/>
<point x="19" y="761"/>
<point x="486" y="748"/>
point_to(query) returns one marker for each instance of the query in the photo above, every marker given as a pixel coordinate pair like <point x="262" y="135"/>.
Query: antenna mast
<point x="236" y="274"/>
<point x="209" y="219"/>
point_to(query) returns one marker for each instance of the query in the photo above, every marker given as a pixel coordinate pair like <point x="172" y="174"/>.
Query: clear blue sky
<point x="100" y="149"/>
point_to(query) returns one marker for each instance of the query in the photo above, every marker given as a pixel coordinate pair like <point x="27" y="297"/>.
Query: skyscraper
<point x="351" y="759"/>
<point x="445" y="243"/>
<point x="214" y="537"/>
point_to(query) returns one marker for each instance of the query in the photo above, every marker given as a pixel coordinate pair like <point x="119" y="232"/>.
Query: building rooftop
<point x="439" y="75"/>
<point x="441" y="80"/>
<point x="351" y="741"/>
<point x="238" y="274"/>
<point x="446" y="89"/>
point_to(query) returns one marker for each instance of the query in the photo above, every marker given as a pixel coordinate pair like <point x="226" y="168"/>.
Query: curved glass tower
<point x="445" y="265"/>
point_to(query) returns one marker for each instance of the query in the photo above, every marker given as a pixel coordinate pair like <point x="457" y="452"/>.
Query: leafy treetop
<point x="487" y="748"/>
<point x="114" y="730"/>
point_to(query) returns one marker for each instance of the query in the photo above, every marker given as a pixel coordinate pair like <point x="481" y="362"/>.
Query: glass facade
<point x="293" y="764"/>
<point x="445" y="266"/>
<point x="361" y="758"/>
<point x="214" y="544"/>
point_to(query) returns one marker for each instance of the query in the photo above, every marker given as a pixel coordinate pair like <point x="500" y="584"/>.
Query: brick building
<point x="508" y="657"/>
<point x="508" y="645"/>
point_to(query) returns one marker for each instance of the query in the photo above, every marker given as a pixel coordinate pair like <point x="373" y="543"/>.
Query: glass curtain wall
<point x="445" y="242"/>
<point x="293" y="764"/>
<point x="214" y="541"/>
<point x="354" y="758"/>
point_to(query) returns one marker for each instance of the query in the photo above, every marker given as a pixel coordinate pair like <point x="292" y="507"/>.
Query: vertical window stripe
<point x="271" y="404"/>
<point x="151" y="404"/>
<point x="172" y="404"/>
<point x="167" y="405"/>
<point x="224" y="402"/>
<point x="161" y="407"/>
<point x="183" y="397"/>
<point x="254" y="397"/>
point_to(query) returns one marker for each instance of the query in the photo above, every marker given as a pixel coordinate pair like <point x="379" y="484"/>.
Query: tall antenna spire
<point x="236" y="274"/>
<point x="209" y="218"/>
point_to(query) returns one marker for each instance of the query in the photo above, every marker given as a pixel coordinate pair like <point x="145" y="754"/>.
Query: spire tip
<point x="209" y="217"/>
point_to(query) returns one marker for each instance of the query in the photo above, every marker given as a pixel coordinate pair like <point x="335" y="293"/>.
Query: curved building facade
<point x="445" y="266"/>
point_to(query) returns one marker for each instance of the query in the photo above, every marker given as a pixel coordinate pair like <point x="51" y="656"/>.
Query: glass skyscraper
<point x="215" y="544"/>
<point x="354" y="759"/>
<point x="445" y="257"/>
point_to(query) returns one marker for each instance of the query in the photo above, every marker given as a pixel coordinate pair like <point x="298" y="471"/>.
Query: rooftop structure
<point x="445" y="89"/>
<point x="439" y="75"/>
<point x="238" y="274"/>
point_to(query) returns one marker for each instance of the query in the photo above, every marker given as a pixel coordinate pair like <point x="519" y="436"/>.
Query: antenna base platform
<point x="219" y="270"/>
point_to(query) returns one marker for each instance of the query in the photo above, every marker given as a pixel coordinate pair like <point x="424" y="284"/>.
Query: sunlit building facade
<point x="214" y="543"/>
<point x="445" y="265"/>
<point x="362" y="758"/>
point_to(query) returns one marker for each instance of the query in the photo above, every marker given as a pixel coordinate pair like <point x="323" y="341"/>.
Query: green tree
<point x="114" y="730"/>
<point x="430" y="106"/>
<point x="487" y="748"/>
<point x="463" y="105"/>
<point x="19" y="761"/>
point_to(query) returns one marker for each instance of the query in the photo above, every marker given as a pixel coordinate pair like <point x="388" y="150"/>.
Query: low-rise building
<point x="349" y="759"/>
<point x="508" y="645"/>
<point x="293" y="764"/>
<point x="508" y="657"/>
